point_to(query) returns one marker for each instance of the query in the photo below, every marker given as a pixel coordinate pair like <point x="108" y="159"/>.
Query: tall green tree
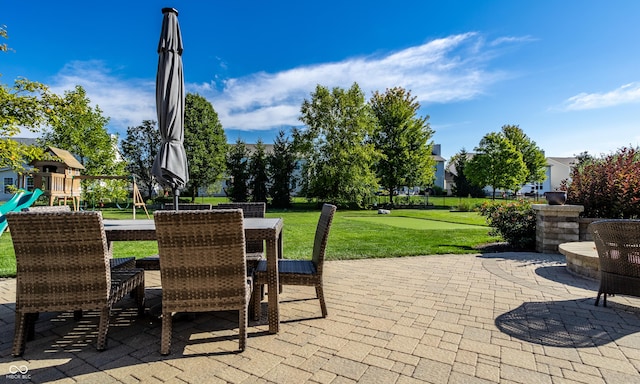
<point x="238" y="172"/>
<point x="336" y="146"/>
<point x="403" y="139"/>
<point x="258" y="173"/>
<point x="139" y="149"/>
<point x="281" y="167"/>
<point x="532" y="155"/>
<point x="22" y="105"/>
<point x="81" y="130"/>
<point x="464" y="187"/>
<point x="497" y="163"/>
<point x="205" y="143"/>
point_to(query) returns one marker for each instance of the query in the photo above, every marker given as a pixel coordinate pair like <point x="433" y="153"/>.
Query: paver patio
<point x="503" y="317"/>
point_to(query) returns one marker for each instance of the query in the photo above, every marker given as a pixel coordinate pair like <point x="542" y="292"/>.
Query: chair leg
<point x="320" y="294"/>
<point x="103" y="328"/>
<point x="31" y="325"/>
<point x="165" y="339"/>
<point x="256" y="300"/>
<point x="19" y="339"/>
<point x="140" y="299"/>
<point x="77" y="315"/>
<point x="243" y="327"/>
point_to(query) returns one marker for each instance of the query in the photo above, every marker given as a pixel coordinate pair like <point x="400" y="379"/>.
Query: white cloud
<point x="444" y="70"/>
<point x="511" y="40"/>
<point x="626" y="94"/>
<point x="127" y="102"/>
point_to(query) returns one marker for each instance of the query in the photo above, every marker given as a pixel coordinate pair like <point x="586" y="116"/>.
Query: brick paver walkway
<point x="505" y="317"/>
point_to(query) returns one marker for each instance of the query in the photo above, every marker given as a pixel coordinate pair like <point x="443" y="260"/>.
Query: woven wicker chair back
<point x="618" y="244"/>
<point x="322" y="234"/>
<point x="62" y="260"/>
<point x="248" y="209"/>
<point x="202" y="260"/>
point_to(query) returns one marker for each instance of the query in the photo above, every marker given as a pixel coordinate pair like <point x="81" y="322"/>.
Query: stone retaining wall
<point x="556" y="224"/>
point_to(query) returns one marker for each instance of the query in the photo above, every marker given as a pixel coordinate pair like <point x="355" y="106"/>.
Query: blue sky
<point x="567" y="72"/>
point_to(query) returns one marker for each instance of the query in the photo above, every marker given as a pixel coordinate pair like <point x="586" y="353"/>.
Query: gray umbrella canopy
<point x="170" y="165"/>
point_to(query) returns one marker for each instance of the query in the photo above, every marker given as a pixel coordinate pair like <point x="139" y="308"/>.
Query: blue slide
<point x="22" y="199"/>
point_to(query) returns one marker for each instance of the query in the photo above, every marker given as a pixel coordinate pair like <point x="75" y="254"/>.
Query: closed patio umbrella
<point x="170" y="165"/>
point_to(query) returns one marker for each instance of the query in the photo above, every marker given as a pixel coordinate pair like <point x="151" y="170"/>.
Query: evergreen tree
<point x="258" y="173"/>
<point x="281" y="166"/>
<point x="463" y="187"/>
<point x="238" y="171"/>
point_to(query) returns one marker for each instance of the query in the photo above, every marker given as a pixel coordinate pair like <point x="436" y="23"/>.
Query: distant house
<point x="449" y="173"/>
<point x="9" y="178"/>
<point x="557" y="170"/>
<point x="436" y="153"/>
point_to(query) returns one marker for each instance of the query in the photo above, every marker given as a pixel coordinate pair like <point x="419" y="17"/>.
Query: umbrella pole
<point x="176" y="198"/>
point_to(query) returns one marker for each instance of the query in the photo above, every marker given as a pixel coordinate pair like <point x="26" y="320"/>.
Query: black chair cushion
<point x="300" y="267"/>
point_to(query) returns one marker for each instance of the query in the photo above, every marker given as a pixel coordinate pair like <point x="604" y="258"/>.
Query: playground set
<point x="59" y="179"/>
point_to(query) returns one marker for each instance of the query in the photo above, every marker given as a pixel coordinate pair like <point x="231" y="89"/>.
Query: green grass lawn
<point x="354" y="235"/>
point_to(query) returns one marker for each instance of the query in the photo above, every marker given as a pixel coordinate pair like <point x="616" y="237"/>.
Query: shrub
<point x="608" y="187"/>
<point x="465" y="206"/>
<point x="515" y="222"/>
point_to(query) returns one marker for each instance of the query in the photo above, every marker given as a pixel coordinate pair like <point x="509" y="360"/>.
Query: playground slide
<point x="11" y="204"/>
<point x="20" y="200"/>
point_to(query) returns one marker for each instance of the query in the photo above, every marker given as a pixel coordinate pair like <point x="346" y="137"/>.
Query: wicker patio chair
<point x="63" y="265"/>
<point x="300" y="272"/>
<point x="618" y="245"/>
<point x="202" y="266"/>
<point x="152" y="262"/>
<point x="120" y="262"/>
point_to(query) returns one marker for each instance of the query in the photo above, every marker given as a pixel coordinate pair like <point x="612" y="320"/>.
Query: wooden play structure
<point x="60" y="178"/>
<point x="55" y="176"/>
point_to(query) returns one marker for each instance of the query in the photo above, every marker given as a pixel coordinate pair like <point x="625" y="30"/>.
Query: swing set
<point x="138" y="201"/>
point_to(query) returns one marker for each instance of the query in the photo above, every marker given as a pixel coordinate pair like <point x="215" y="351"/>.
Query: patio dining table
<point x="267" y="229"/>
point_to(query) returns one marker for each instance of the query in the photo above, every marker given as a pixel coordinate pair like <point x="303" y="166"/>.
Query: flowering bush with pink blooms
<point x="515" y="222"/>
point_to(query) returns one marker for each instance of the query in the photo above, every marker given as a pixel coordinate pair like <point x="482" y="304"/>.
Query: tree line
<point x="347" y="149"/>
<point x="503" y="160"/>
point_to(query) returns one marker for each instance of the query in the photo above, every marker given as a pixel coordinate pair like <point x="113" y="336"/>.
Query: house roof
<point x="66" y="157"/>
<point x="566" y="161"/>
